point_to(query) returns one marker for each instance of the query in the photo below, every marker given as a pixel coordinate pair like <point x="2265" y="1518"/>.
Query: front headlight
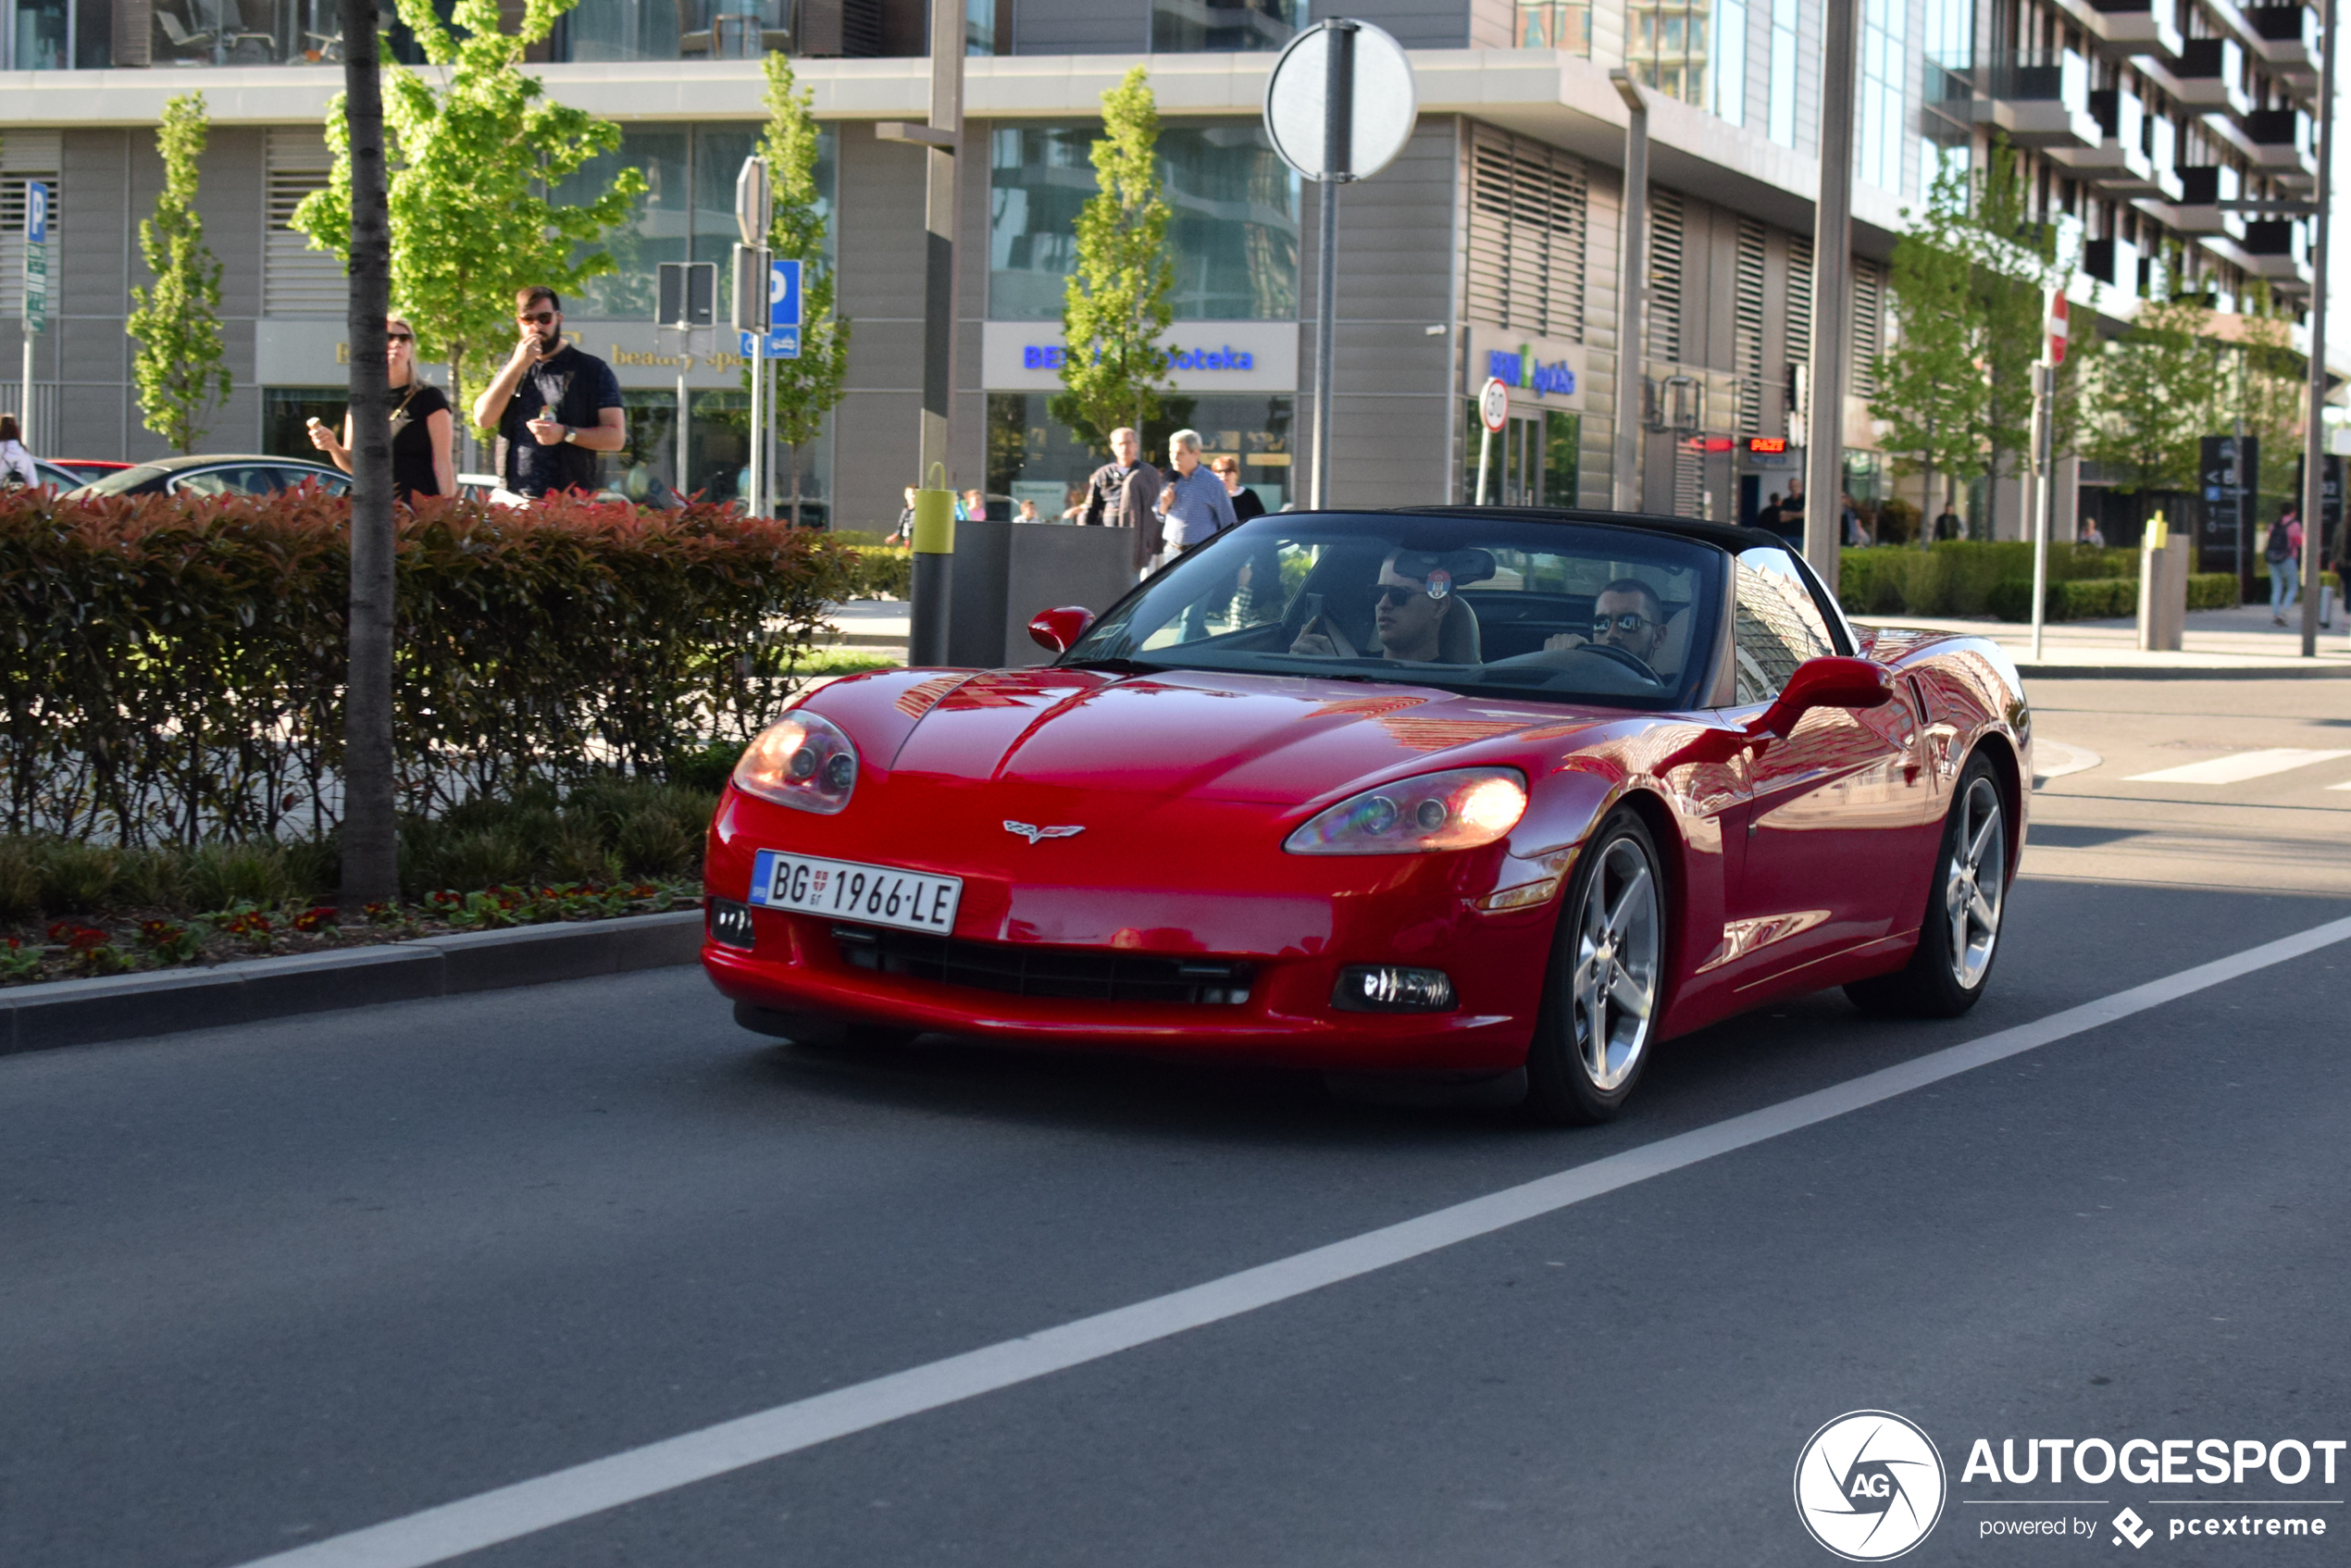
<point x="1458" y="809"/>
<point x="805" y="760"/>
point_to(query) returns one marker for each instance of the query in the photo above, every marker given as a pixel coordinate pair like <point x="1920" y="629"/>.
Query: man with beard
<point x="553" y="407"/>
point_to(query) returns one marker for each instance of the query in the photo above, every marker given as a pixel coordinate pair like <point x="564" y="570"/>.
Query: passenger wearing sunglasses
<point x="1627" y="617"/>
<point x="421" y="425"/>
<point x="1415" y="603"/>
<point x="554" y="406"/>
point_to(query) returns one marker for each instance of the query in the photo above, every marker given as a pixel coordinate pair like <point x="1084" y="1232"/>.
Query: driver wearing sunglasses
<point x="1414" y="596"/>
<point x="1627" y="617"/>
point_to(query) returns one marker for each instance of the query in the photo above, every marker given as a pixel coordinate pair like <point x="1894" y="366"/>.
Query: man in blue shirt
<point x="1195" y="505"/>
<point x="554" y="406"/>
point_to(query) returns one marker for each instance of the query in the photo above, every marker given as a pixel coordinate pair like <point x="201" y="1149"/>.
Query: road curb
<point x="2180" y="672"/>
<point x="63" y="1012"/>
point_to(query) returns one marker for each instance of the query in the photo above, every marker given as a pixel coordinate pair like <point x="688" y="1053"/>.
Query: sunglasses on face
<point x="543" y="318"/>
<point x="1629" y="621"/>
<point x="400" y="337"/>
<point x="1396" y="596"/>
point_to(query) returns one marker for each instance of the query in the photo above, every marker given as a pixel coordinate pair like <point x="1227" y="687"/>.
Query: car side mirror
<point x="1825" y="683"/>
<point x="1057" y="632"/>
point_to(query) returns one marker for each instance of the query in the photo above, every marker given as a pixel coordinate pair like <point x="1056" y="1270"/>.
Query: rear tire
<point x="1959" y="935"/>
<point x="1607" y="979"/>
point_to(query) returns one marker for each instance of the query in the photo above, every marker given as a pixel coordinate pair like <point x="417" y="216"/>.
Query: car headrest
<point x="1456" y="638"/>
<point x="1673" y="650"/>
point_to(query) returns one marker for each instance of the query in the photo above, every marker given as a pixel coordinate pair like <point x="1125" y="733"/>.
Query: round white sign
<point x="1381" y="106"/>
<point x="1869" y="1486"/>
<point x="1494" y="404"/>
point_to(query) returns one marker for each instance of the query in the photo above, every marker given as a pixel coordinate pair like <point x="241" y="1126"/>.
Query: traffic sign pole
<point x="36" y="292"/>
<point x="2044" y="419"/>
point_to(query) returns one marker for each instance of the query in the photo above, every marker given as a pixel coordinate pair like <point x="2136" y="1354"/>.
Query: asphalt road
<point x="264" y="1286"/>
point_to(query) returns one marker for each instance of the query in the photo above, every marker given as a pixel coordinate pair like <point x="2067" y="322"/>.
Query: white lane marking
<point x="2238" y="766"/>
<point x="2345" y="785"/>
<point x="2054" y="759"/>
<point x="453" y="1529"/>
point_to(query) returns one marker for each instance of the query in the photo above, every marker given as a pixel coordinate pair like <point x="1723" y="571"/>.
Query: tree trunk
<point x="371" y="845"/>
<point x="1926" y="494"/>
<point x="795" y="484"/>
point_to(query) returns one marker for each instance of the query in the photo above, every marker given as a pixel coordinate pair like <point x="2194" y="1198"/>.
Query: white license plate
<point x="873" y="895"/>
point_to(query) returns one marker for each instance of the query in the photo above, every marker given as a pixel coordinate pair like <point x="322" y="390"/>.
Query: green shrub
<point x="20" y="880"/>
<point x="879" y="571"/>
<point x="75" y="878"/>
<point x="225" y="875"/>
<point x="174" y="664"/>
<point x="1958" y="577"/>
<point x="2212" y="590"/>
<point x="153" y="879"/>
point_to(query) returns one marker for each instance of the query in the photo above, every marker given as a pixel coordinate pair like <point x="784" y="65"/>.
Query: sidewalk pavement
<point x="2218" y="644"/>
<point x="870" y="623"/>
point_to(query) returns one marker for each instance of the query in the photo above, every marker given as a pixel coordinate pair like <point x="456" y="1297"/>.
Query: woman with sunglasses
<point x="421" y="425"/>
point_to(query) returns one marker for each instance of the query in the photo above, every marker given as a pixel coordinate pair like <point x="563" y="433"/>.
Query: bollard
<point x="933" y="570"/>
<point x="2163" y="587"/>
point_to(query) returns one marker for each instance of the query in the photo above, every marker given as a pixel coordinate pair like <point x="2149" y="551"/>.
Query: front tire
<point x="1959" y="937"/>
<point x="1607" y="980"/>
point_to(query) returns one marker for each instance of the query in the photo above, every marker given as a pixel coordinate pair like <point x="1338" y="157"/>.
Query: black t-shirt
<point x="412" y="472"/>
<point x="578" y="387"/>
<point x="1247" y="504"/>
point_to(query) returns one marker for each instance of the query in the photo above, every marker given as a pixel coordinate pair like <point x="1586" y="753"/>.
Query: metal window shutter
<point x="1665" y="277"/>
<point x="1868" y="324"/>
<point x="1526" y="235"/>
<point x="295" y="279"/>
<point x="1746" y="328"/>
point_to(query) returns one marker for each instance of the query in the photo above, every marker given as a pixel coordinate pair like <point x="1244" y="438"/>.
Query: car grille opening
<point x="1078" y="974"/>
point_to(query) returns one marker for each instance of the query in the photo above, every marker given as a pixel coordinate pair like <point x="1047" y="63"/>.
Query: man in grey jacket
<point x="1123" y="494"/>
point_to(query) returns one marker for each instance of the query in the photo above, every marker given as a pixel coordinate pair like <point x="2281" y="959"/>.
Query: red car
<point x="1503" y="796"/>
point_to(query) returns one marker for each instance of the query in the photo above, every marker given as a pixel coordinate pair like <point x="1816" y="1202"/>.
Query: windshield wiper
<point x="1115" y="666"/>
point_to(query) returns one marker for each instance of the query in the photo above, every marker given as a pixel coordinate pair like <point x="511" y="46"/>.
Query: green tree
<point x="2150" y="398"/>
<point x="176" y="322"/>
<point x="1930" y="392"/>
<point x="474" y="156"/>
<point x="810" y="387"/>
<point x="1114" y="310"/>
<point x="2016" y="261"/>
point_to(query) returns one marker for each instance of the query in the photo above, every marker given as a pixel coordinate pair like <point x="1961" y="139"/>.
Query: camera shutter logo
<point x="1870" y="1485"/>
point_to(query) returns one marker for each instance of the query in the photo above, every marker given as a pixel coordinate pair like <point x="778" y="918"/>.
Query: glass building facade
<point x="1232" y="233"/>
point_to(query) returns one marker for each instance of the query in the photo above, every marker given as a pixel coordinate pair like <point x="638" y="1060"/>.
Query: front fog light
<point x="1387" y="988"/>
<point x="730" y="923"/>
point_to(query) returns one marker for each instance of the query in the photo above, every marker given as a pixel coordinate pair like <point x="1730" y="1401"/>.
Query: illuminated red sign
<point x="1767" y="443"/>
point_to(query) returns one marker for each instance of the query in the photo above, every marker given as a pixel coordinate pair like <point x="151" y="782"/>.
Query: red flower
<point x="311" y="919"/>
<point x="80" y="939"/>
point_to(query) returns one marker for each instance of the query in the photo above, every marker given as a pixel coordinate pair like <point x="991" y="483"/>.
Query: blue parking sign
<point x="783" y="342"/>
<point x="783" y="293"/>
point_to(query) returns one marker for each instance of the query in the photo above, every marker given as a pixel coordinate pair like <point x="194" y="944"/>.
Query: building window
<point x="1232" y="233"/>
<point x="1882" y="133"/>
<point x="286" y="413"/>
<point x="1556" y="24"/>
<point x="1033" y="456"/>
<point x="1782" y="126"/>
<point x="1729" y="61"/>
<point x="686" y="213"/>
<point x="1186" y="27"/>
<point x="1665" y="46"/>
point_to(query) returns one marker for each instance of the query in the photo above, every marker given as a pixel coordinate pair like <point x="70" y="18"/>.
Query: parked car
<point x="84" y="470"/>
<point x="1454" y="791"/>
<point x="218" y="474"/>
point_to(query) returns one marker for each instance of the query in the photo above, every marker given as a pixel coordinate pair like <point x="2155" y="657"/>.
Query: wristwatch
<point x="569" y="431"/>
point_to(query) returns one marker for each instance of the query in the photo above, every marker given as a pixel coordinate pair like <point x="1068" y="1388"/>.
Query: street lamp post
<point x="1631" y="295"/>
<point x="2314" y="462"/>
<point x="1831" y="290"/>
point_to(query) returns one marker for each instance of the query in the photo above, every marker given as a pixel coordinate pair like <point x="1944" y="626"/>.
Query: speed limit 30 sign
<point x="1494" y="404"/>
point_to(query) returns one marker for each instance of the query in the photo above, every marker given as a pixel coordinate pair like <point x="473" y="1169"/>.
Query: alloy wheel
<point x="1615" y="983"/>
<point x="1975" y="882"/>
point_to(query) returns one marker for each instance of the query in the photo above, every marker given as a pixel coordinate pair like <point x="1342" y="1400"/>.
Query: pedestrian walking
<point x="974" y="508"/>
<point x="422" y="426"/>
<point x="905" y="532"/>
<point x="2283" y="551"/>
<point x="1120" y="494"/>
<point x="1195" y="505"/>
<point x="1247" y="503"/>
<point x="554" y="407"/>
<point x="16" y="463"/>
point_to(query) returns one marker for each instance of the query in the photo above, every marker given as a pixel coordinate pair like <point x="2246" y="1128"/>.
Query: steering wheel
<point x="1608" y="651"/>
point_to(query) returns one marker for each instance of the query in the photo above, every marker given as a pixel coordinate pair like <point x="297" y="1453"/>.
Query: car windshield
<point x="1598" y="613"/>
<point x="124" y="481"/>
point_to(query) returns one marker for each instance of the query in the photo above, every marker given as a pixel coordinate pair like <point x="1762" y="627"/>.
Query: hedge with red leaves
<point x="170" y="667"/>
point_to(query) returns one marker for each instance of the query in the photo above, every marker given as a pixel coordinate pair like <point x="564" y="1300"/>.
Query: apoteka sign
<point x="1870" y="1485"/>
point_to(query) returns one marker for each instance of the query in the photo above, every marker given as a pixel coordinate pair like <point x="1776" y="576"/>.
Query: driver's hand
<point x="1558" y="641"/>
<point x="1315" y="644"/>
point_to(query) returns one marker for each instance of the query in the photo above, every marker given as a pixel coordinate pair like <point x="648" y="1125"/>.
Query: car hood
<point x="1210" y="736"/>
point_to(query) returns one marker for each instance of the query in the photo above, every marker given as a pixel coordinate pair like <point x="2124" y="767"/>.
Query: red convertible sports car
<point x="1484" y="796"/>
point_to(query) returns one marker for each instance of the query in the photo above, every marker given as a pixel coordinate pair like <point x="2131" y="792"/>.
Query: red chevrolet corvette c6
<point x="1468" y="793"/>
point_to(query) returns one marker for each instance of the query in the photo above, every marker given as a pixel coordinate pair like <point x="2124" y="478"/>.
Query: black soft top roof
<point x="1723" y="535"/>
